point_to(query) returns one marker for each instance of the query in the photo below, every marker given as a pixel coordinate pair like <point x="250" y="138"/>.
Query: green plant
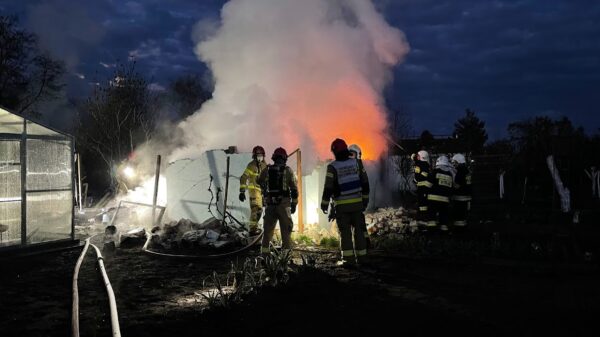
<point x="330" y="242"/>
<point x="276" y="266"/>
<point x="304" y="240"/>
<point x="308" y="261"/>
<point x="244" y="277"/>
<point x="216" y="295"/>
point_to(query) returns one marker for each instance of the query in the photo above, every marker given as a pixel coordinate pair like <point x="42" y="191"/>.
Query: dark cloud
<point x="506" y="59"/>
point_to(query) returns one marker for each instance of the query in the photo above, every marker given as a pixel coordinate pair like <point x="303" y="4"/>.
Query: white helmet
<point x="423" y="155"/>
<point x="356" y="149"/>
<point x="442" y="161"/>
<point x="459" y="158"/>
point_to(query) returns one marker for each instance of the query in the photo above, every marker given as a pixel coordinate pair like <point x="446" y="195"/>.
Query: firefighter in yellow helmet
<point x="248" y="182"/>
<point x="280" y="190"/>
<point x="348" y="185"/>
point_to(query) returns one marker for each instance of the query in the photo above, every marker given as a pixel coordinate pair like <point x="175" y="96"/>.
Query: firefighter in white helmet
<point x="421" y="179"/>
<point x="356" y="153"/>
<point x="438" y="198"/>
<point x="461" y="198"/>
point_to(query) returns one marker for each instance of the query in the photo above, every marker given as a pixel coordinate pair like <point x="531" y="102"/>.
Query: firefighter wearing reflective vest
<point x="356" y="153"/>
<point x="438" y="197"/>
<point x="461" y="199"/>
<point x="347" y="183"/>
<point x="280" y="190"/>
<point x="421" y="179"/>
<point x="248" y="182"/>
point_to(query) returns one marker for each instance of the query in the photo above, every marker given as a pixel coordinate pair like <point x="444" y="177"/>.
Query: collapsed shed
<point x="196" y="188"/>
<point x="36" y="184"/>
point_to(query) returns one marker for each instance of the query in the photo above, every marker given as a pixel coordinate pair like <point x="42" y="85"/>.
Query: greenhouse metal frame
<point x="36" y="184"/>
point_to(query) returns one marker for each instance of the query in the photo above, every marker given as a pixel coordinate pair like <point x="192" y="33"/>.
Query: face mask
<point x="260" y="158"/>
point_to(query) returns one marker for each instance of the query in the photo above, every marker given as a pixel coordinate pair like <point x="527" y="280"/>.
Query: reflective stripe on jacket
<point x="441" y="185"/>
<point x="250" y="175"/>
<point x="348" y="184"/>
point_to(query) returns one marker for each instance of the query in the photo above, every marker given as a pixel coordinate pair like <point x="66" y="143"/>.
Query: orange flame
<point x="348" y="111"/>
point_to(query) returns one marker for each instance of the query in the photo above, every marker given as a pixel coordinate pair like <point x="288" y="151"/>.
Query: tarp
<point x="189" y="180"/>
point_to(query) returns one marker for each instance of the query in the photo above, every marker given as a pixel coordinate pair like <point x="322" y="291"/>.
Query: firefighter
<point x="438" y="197"/>
<point x="461" y="198"/>
<point x="280" y="190"/>
<point x="248" y="182"/>
<point x="356" y="153"/>
<point x="421" y="179"/>
<point x="347" y="183"/>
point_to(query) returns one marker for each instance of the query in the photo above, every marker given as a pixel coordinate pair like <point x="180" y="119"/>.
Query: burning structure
<point x="36" y="183"/>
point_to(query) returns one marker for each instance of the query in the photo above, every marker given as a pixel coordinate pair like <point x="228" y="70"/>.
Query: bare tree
<point x="28" y="76"/>
<point x="122" y="114"/>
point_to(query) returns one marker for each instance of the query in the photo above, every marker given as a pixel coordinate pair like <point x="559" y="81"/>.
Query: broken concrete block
<point x="221" y="244"/>
<point x="212" y="235"/>
<point x="135" y="237"/>
<point x="211" y="223"/>
<point x="193" y="238"/>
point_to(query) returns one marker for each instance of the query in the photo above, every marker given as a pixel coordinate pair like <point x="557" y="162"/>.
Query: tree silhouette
<point x="28" y="76"/>
<point x="470" y="132"/>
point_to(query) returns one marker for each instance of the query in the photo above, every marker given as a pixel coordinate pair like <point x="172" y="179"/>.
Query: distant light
<point x="129" y="172"/>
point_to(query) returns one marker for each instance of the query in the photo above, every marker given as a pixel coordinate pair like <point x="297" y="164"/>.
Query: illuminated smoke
<point x="295" y="73"/>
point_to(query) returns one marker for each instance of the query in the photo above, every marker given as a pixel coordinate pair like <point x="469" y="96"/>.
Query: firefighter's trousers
<point x="460" y="212"/>
<point x="422" y="208"/>
<point x="281" y="213"/>
<point x="351" y="226"/>
<point x="439" y="215"/>
<point x="256" y="209"/>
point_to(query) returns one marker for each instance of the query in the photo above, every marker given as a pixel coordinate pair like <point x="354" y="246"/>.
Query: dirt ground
<point x="155" y="297"/>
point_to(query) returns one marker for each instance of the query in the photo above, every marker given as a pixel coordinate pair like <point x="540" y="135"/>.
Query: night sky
<point x="507" y="60"/>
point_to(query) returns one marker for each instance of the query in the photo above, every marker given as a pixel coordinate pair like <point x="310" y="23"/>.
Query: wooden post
<point x="226" y="191"/>
<point x="79" y="178"/>
<point x="155" y="199"/>
<point x="300" y="194"/>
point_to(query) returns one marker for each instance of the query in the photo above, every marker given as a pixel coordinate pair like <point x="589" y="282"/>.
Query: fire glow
<point x="304" y="74"/>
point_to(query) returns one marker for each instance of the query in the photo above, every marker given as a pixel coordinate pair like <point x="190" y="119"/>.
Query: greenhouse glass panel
<point x="48" y="165"/>
<point x="10" y="123"/>
<point x="36" y="129"/>
<point x="10" y="215"/>
<point x="49" y="216"/>
<point x="10" y="193"/>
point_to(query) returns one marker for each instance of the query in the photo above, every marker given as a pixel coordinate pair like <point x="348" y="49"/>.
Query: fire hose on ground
<point x="114" y="317"/>
<point x="253" y="242"/>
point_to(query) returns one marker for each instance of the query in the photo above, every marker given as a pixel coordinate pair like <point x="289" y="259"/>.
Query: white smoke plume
<point x="295" y="73"/>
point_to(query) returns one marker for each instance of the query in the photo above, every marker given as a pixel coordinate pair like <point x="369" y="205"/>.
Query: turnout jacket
<point x="348" y="184"/>
<point x="250" y="175"/>
<point x="462" y="184"/>
<point x="421" y="176"/>
<point x="441" y="185"/>
<point x="286" y="184"/>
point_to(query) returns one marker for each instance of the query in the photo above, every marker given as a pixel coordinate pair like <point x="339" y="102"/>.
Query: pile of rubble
<point x="385" y="221"/>
<point x="185" y="235"/>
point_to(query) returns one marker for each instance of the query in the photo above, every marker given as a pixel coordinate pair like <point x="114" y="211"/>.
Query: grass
<point x="330" y="242"/>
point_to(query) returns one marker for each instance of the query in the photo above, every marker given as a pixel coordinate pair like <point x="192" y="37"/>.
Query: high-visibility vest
<point x="348" y="179"/>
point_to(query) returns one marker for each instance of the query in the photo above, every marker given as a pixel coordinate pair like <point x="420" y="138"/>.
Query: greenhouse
<point x="36" y="184"/>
